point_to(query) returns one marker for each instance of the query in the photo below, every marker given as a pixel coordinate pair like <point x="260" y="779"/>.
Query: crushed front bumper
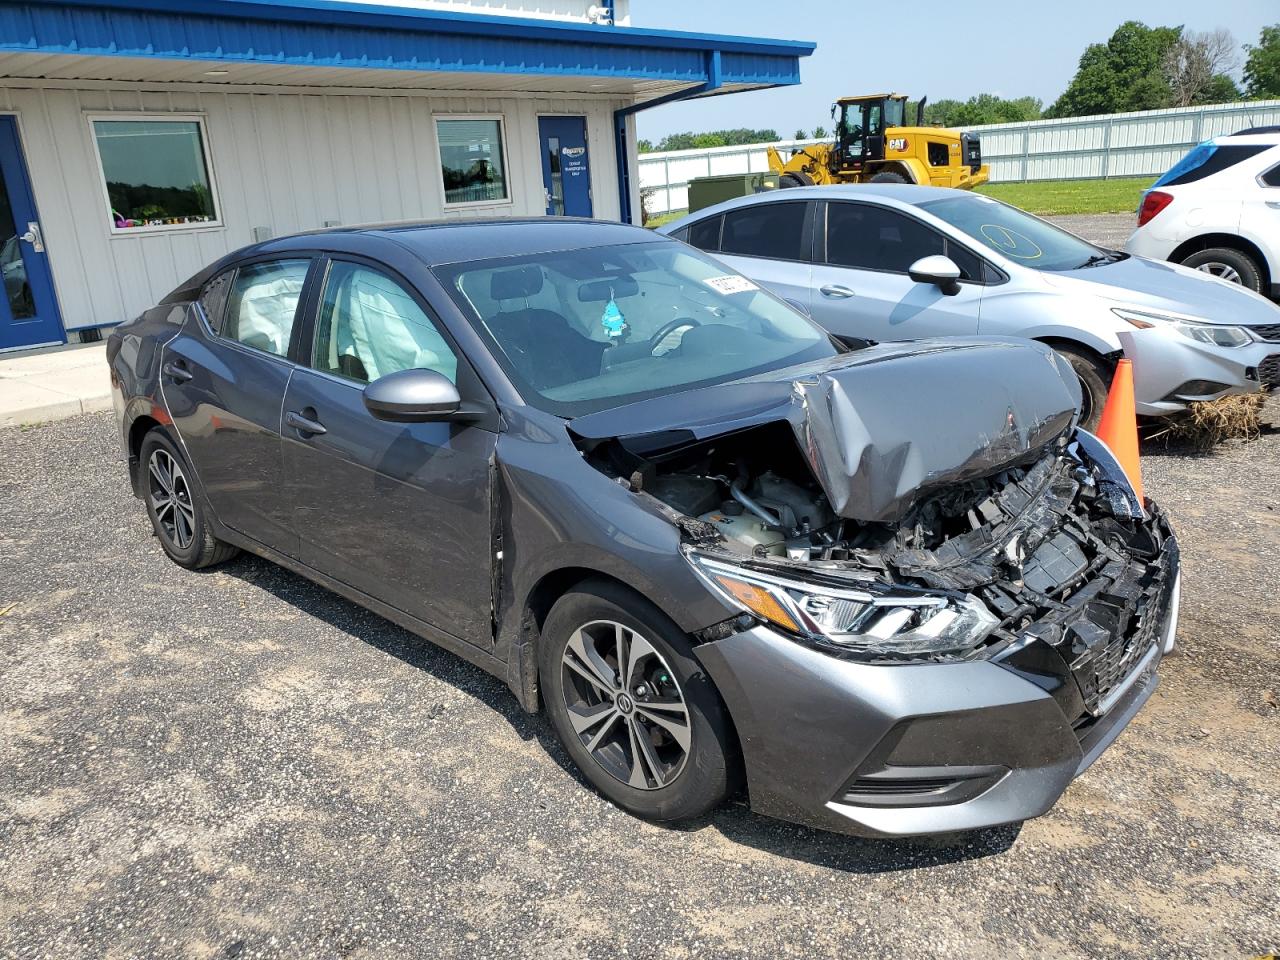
<point x="899" y="750"/>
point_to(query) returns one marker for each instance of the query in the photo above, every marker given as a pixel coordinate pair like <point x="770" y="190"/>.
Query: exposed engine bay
<point x="1055" y="547"/>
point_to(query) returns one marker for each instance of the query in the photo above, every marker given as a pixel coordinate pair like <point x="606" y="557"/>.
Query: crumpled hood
<point x="1164" y="287"/>
<point x="879" y="427"/>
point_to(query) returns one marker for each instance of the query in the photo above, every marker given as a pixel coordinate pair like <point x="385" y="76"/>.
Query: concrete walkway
<point x="53" y="384"/>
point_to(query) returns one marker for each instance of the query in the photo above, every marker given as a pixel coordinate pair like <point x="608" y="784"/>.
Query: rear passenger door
<point x="860" y="282"/>
<point x="768" y="242"/>
<point x="223" y="380"/>
<point x="400" y="511"/>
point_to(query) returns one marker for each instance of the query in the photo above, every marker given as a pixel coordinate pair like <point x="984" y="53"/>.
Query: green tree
<point x="801" y="135"/>
<point x="1262" y="65"/>
<point x="1125" y="73"/>
<point x="820" y="133"/>
<point x="645" y="146"/>
<point x="1219" y="89"/>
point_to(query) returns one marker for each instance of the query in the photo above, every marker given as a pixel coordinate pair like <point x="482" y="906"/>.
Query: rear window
<point x="1206" y="160"/>
<point x="771" y="230"/>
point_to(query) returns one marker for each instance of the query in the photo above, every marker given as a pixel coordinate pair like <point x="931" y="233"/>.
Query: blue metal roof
<point x="343" y="34"/>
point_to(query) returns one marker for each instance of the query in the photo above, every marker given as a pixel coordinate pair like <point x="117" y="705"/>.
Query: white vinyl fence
<point x="1117" y="145"/>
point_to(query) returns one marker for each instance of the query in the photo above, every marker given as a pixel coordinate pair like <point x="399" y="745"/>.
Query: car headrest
<point x="517" y="283"/>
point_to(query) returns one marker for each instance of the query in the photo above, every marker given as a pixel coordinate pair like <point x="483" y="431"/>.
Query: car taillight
<point x="1152" y="203"/>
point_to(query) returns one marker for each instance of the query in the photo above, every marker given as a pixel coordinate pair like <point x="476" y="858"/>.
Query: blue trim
<point x="333" y="33"/>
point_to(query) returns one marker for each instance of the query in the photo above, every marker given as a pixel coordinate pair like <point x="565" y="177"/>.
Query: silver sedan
<point x="897" y="262"/>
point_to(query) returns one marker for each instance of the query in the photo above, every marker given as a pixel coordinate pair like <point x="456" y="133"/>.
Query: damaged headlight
<point x="879" y="621"/>
<point x="1216" y="334"/>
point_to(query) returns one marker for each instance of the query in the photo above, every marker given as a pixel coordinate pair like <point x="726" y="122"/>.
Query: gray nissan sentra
<point x="887" y="589"/>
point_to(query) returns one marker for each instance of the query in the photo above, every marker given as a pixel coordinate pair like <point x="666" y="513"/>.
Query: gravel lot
<point x="236" y="763"/>
<point x="1109" y="230"/>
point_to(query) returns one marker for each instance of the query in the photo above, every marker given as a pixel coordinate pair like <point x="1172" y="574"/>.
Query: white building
<point x="141" y="139"/>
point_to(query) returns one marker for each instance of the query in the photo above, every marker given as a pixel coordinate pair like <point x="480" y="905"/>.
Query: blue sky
<point x="1013" y="49"/>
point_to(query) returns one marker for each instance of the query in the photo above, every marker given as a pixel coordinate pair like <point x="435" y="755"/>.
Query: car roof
<point x="888" y="194"/>
<point x="1248" y="138"/>
<point x="440" y="242"/>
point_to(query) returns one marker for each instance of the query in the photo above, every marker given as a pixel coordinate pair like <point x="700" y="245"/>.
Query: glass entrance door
<point x="28" y="308"/>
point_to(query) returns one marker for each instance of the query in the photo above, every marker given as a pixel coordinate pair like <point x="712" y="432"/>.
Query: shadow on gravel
<point x="734" y="820"/>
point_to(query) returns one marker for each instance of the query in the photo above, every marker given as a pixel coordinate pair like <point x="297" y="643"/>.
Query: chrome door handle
<point x="1273" y="203"/>
<point x="837" y="292"/>
<point x="304" y="424"/>
<point x="176" y="371"/>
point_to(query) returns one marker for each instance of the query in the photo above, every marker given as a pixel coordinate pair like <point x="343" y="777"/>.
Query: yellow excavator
<point x="873" y="145"/>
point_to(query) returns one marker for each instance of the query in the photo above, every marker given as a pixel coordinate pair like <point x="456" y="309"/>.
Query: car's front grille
<point x="1269" y="371"/>
<point x="1120" y="627"/>
<point x="1269" y="331"/>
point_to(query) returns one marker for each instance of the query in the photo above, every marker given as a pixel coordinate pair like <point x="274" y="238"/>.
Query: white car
<point x="1218" y="210"/>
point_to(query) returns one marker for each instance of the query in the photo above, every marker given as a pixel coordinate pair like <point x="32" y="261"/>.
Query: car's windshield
<point x="584" y="330"/>
<point x="1024" y="239"/>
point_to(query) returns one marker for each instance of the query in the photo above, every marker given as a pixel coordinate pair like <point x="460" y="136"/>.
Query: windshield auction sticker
<point x="730" y="284"/>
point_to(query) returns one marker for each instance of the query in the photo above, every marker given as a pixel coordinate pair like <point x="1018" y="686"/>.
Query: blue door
<point x="566" y="173"/>
<point x="28" y="309"/>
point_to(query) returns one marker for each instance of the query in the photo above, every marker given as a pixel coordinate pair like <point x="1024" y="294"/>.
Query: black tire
<point x="710" y="768"/>
<point x="1229" y="264"/>
<point x="889" y="176"/>
<point x="788" y="180"/>
<point x="1095" y="375"/>
<point x="182" y="527"/>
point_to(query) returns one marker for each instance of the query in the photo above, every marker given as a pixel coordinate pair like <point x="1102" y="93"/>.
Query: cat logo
<point x="898" y="143"/>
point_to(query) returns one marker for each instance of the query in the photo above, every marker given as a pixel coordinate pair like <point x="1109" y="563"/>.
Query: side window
<point x="369" y="326"/>
<point x="774" y="230"/>
<point x="263" y="304"/>
<point x="869" y="237"/>
<point x="213" y="299"/>
<point x="1272" y="177"/>
<point x="705" y="234"/>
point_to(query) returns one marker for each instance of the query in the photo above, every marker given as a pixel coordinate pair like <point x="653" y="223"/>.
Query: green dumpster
<point x="706" y="191"/>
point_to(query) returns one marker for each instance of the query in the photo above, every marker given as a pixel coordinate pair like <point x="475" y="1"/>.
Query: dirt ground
<point x="236" y="763"/>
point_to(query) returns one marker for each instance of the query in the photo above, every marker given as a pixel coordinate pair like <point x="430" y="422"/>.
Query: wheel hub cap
<point x="170" y="498"/>
<point x="624" y="705"/>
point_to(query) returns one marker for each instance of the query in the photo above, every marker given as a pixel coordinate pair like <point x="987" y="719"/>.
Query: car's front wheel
<point x="1094" y="375"/>
<point x="632" y="705"/>
<point x="178" y="515"/>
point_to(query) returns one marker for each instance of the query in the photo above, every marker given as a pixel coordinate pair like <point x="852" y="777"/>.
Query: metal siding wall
<point x="553" y="10"/>
<point x="1123" y="145"/>
<point x="285" y="161"/>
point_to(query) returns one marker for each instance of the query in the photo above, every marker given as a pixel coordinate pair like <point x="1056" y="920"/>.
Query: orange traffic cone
<point x="1119" y="426"/>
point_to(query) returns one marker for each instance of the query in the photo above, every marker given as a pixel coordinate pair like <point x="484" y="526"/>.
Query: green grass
<point x="1052" y="197"/>
<point x="661" y="218"/>
<point x="1044" y="198"/>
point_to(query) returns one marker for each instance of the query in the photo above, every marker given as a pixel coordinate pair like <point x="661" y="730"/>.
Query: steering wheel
<point x="668" y="328"/>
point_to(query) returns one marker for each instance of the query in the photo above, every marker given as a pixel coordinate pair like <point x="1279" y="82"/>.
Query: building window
<point x="472" y="160"/>
<point x="155" y="172"/>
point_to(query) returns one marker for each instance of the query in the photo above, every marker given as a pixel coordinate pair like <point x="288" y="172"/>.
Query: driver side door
<point x="400" y="511"/>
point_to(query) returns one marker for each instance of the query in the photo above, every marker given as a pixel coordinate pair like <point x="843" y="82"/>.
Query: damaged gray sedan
<point x="887" y="589"/>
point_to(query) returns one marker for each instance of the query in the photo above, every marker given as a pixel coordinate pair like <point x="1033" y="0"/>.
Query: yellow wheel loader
<point x="873" y="145"/>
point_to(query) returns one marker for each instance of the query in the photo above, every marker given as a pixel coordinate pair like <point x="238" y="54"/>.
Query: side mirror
<point x="412" y="396"/>
<point x="939" y="271"/>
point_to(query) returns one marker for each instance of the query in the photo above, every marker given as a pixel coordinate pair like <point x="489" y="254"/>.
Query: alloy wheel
<point x="625" y="705"/>
<point x="170" y="498"/>
<point x="1221" y="270"/>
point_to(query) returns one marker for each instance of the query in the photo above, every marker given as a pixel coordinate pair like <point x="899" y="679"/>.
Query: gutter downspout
<point x="620" y="146"/>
